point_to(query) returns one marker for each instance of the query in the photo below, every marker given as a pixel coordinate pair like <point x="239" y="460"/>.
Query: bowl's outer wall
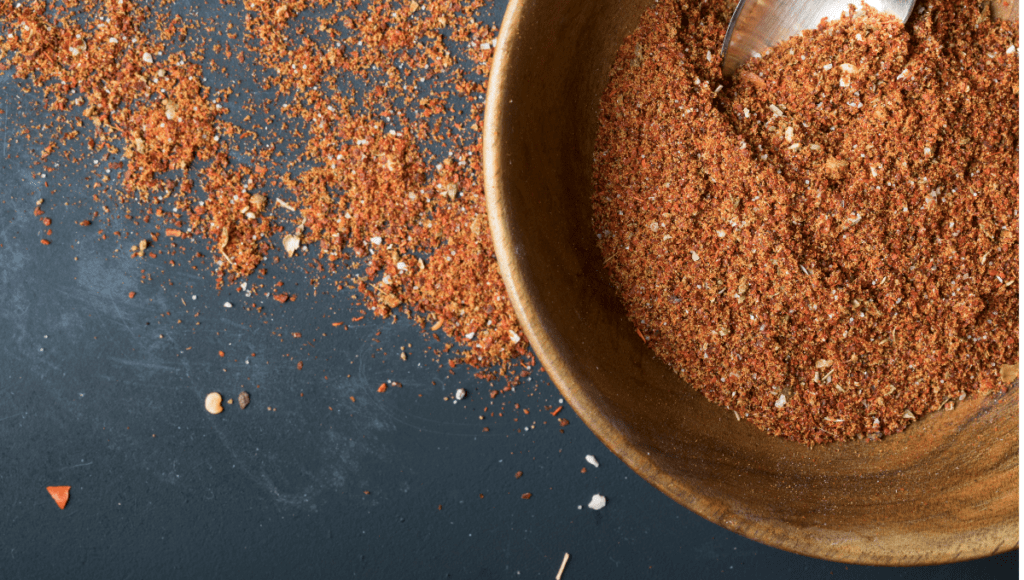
<point x="944" y="490"/>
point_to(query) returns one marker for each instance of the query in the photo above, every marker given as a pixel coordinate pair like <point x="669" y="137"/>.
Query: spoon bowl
<point x="757" y="25"/>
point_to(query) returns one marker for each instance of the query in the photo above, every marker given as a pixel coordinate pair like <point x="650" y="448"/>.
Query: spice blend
<point x="359" y="146"/>
<point x="827" y="243"/>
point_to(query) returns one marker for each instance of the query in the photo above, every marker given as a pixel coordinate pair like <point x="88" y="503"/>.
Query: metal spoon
<point x="757" y="25"/>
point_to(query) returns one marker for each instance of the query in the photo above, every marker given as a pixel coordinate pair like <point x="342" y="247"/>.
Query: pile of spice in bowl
<point x="826" y="244"/>
<point x="759" y="291"/>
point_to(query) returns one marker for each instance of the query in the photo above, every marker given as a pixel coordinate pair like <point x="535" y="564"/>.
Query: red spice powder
<point x="827" y="244"/>
<point x="367" y="156"/>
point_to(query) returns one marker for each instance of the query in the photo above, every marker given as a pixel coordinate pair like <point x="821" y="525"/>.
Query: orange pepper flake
<point x="131" y="295"/>
<point x="282" y="298"/>
<point x="383" y="387"/>
<point x="556" y="411"/>
<point x="220" y="353"/>
<point x="527" y="495"/>
<point x="299" y="366"/>
<point x="60" y="494"/>
<point x="337" y="323"/>
<point x="44" y="242"/>
<point x="357" y="318"/>
<point x="173" y="233"/>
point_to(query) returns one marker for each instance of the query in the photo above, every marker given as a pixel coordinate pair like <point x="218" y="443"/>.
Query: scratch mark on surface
<point x="74" y="466"/>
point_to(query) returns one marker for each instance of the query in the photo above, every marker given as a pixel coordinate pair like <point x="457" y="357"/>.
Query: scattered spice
<point x="212" y="404"/>
<point x="527" y="495"/>
<point x="243" y="399"/>
<point x="382" y="189"/>
<point x="826" y="244"/>
<point x="382" y="388"/>
<point x="131" y="295"/>
<point x="60" y="494"/>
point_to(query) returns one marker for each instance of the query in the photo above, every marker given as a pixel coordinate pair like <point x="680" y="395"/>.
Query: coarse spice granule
<point x="359" y="147"/>
<point x="827" y="244"/>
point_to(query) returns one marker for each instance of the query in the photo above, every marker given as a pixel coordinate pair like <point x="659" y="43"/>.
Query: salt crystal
<point x="460" y="394"/>
<point x="592" y="460"/>
<point x="781" y="402"/>
<point x="597" y="502"/>
<point x="228" y="305"/>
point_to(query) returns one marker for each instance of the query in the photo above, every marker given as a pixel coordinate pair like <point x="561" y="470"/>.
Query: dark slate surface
<point x="105" y="394"/>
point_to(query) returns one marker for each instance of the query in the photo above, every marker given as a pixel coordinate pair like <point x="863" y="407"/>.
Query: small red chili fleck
<point x="44" y="242"/>
<point x="131" y="295"/>
<point x="527" y="495"/>
<point x="556" y="411"/>
<point x="220" y="353"/>
<point x="357" y="319"/>
<point x="299" y="366"/>
<point x="383" y="387"/>
<point x="519" y="474"/>
<point x="85" y="223"/>
<point x="563" y="422"/>
<point x="282" y="298"/>
<point x="47" y="221"/>
<point x="337" y="323"/>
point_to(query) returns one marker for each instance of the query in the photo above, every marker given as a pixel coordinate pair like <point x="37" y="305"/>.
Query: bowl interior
<point x="944" y="490"/>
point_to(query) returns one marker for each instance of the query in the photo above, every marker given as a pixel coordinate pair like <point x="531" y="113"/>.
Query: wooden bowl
<point x="944" y="490"/>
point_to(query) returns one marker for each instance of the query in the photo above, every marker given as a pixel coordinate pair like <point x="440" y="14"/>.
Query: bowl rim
<point x="546" y="348"/>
